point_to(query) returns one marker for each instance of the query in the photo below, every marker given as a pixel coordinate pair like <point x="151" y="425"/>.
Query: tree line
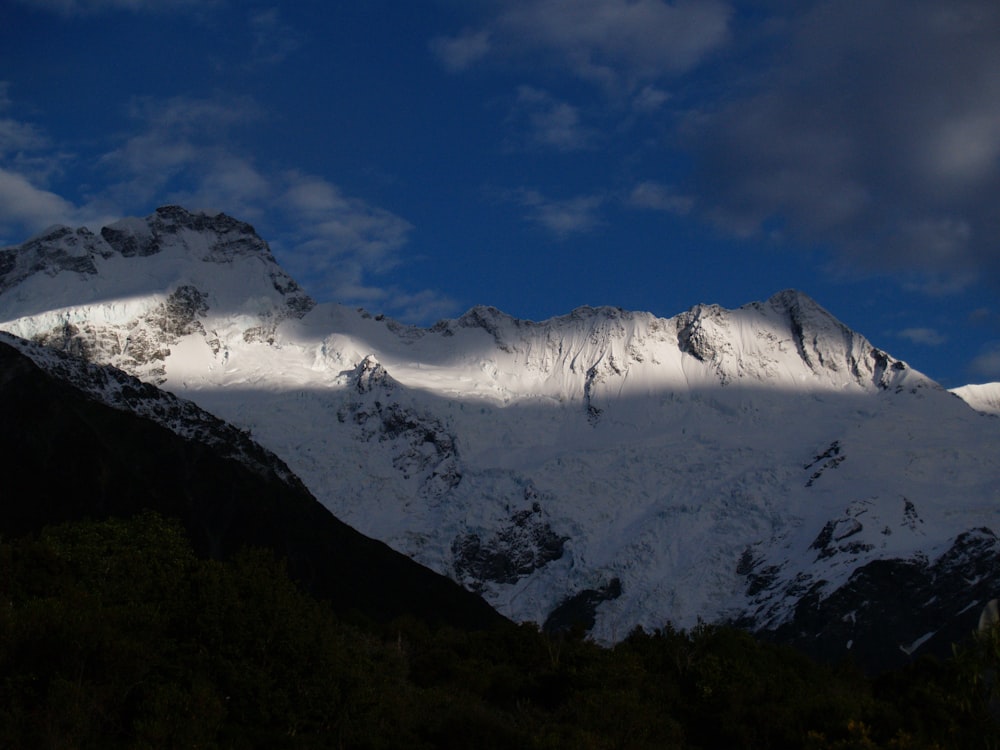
<point x="114" y="634"/>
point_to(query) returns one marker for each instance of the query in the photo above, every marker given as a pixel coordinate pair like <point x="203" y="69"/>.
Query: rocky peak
<point x="55" y="250"/>
<point x="213" y="237"/>
<point x="201" y="237"/>
<point x="822" y="340"/>
<point x="370" y="375"/>
<point x="789" y="332"/>
<point x="699" y="332"/>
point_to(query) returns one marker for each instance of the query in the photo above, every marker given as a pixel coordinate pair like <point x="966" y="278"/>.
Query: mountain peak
<point x="793" y="298"/>
<point x="154" y="255"/>
<point x="212" y="236"/>
<point x="59" y="248"/>
<point x="789" y="335"/>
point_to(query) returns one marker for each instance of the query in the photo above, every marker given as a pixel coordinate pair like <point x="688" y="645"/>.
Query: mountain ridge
<point x="719" y="464"/>
<point x="85" y="441"/>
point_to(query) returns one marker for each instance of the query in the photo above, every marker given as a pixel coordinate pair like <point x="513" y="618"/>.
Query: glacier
<point x="724" y="465"/>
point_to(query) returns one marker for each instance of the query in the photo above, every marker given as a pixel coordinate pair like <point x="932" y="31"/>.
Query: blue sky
<point x="418" y="158"/>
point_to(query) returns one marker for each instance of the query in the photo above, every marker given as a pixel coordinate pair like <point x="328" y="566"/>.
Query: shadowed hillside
<point x="65" y="457"/>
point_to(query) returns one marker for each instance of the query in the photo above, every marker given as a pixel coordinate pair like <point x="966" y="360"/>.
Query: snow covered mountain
<point x="84" y="441"/>
<point x="764" y="465"/>
<point x="984" y="397"/>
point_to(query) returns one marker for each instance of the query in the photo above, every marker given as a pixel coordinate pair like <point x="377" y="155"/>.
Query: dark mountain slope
<point x="64" y="456"/>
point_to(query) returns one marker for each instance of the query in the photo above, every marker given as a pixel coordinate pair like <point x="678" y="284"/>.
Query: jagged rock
<point x="891" y="609"/>
<point x="513" y="551"/>
<point x="580" y="610"/>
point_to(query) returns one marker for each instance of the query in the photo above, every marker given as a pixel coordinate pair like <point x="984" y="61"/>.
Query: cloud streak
<point x="657" y="197"/>
<point x="561" y="218"/>
<point x="925" y="336"/>
<point x="92" y="7"/>
<point x="273" y="39"/>
<point x="549" y="123"/>
<point x="461" y="52"/>
<point x="615" y="43"/>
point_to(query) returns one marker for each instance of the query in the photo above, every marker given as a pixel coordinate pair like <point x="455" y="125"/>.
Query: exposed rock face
<point x="422" y="447"/>
<point x="58" y="250"/>
<point x="510" y="553"/>
<point x="142" y="344"/>
<point x="138" y="336"/>
<point x="891" y="609"/>
<point x="736" y="351"/>
<point x="580" y="610"/>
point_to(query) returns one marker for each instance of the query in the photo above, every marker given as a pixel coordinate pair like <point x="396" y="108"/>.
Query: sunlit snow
<point x="664" y="451"/>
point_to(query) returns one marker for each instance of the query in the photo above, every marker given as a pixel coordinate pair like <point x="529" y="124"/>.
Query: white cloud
<point x="185" y="150"/>
<point x="962" y="151"/>
<point x="29" y="207"/>
<point x="227" y="182"/>
<point x="426" y="305"/>
<point x="90" y="7"/>
<point x="926" y="336"/>
<point x="462" y="51"/>
<point x="334" y="227"/>
<point x="562" y="217"/>
<point x="273" y="39"/>
<point x="610" y="42"/>
<point x="551" y="123"/>
<point x="332" y="243"/>
<point x="980" y="315"/>
<point x="27" y="163"/>
<point x="649" y="99"/>
<point x="16" y="137"/>
<point x="657" y="197"/>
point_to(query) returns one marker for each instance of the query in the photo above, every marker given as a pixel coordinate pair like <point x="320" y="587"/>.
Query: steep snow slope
<point x="605" y="465"/>
<point x="64" y="456"/>
<point x="984" y="398"/>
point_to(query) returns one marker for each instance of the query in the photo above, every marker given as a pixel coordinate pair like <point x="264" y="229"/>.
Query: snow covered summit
<point x="605" y="466"/>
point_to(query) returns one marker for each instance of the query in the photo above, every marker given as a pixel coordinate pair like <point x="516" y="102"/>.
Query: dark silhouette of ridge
<point x="65" y="457"/>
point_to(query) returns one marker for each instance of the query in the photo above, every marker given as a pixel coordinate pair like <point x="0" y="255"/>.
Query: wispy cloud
<point x="90" y="7"/>
<point x="184" y="149"/>
<point x="616" y="43"/>
<point x="658" y="197"/>
<point x="334" y="244"/>
<point x="273" y="39"/>
<point x="925" y="336"/>
<point x="24" y="205"/>
<point x="424" y="306"/>
<point x="549" y="122"/>
<point x="28" y="161"/>
<point x="18" y="137"/>
<point x="462" y="51"/>
<point x="337" y="240"/>
<point x="561" y="217"/>
<point x="649" y="99"/>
